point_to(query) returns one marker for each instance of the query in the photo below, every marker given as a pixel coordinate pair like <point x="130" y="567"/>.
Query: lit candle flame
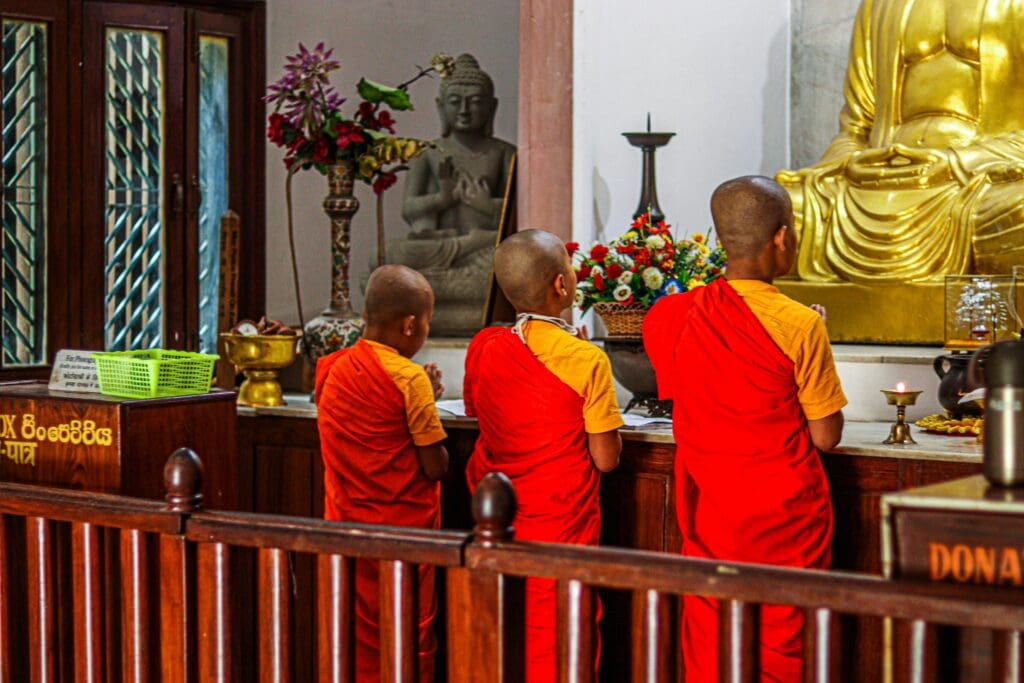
<point x="900" y="387"/>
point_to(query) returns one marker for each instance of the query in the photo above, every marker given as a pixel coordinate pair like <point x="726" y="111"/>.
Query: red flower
<point x="660" y="229"/>
<point x="614" y="270"/>
<point x="297" y="144"/>
<point x="320" y="151"/>
<point x="572" y="247"/>
<point x="598" y="253"/>
<point x="385" y="121"/>
<point x="275" y="131"/>
<point x="643" y="257"/>
<point x="584" y="273"/>
<point x="599" y="282"/>
<point x="289" y="161"/>
<point x="625" y="248"/>
<point x="348" y="133"/>
<point x="641" y="221"/>
<point x="384" y="181"/>
<point x="716" y="270"/>
<point x="366" y="109"/>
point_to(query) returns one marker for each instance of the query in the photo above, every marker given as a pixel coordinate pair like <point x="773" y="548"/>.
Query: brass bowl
<point x="260" y="357"/>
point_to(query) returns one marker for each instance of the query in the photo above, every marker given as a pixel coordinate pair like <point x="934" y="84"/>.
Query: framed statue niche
<point x="498" y="309"/>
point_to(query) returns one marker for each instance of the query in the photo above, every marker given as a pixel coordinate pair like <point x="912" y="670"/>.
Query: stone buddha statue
<point x="926" y="175"/>
<point x="453" y="199"/>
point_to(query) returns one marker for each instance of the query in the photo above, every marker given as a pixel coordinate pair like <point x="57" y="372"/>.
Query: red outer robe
<point x="749" y="482"/>
<point x="372" y="475"/>
<point x="532" y="430"/>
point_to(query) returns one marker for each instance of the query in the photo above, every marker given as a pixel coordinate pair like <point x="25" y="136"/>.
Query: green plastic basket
<point x="153" y="372"/>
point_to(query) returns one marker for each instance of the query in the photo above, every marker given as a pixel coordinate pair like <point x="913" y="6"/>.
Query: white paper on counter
<point x="455" y="406"/>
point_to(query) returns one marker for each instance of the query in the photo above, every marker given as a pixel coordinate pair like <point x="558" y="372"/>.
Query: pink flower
<point x="384" y="120"/>
<point x="348" y="133"/>
<point x="384" y="181"/>
<point x="320" y="151"/>
<point x="275" y="131"/>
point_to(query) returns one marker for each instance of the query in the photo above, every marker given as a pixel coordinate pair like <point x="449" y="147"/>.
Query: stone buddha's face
<point x="466" y="108"/>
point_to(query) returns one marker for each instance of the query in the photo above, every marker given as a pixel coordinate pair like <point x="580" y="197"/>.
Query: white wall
<point x="715" y="73"/>
<point x="382" y="40"/>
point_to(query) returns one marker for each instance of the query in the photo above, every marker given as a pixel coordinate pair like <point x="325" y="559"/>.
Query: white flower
<point x="655" y="242"/>
<point x="622" y="292"/>
<point x="626" y="277"/>
<point x="578" y="299"/>
<point x="595" y="270"/>
<point x="653" y="278"/>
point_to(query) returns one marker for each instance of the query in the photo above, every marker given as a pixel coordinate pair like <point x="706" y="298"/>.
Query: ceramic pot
<point x="632" y="368"/>
<point x="952" y="371"/>
<point x="338" y="326"/>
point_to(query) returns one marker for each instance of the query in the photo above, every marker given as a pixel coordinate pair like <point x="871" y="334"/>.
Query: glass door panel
<point x="23" y="120"/>
<point x="134" y="214"/>
<point x="213" y="177"/>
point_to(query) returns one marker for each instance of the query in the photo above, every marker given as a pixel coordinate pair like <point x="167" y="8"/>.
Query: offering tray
<point x="941" y="424"/>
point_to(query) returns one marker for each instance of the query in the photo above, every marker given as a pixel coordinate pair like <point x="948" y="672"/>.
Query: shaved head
<point x="747" y="213"/>
<point x="394" y="292"/>
<point x="526" y="264"/>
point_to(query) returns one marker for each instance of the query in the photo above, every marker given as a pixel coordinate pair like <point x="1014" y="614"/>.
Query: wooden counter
<point x="280" y="447"/>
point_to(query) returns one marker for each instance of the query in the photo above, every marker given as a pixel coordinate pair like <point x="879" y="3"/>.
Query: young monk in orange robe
<point x="548" y="418"/>
<point x="381" y="441"/>
<point x="756" y="396"/>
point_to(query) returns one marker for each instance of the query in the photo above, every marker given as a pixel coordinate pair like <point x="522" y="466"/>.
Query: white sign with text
<point x="74" y="371"/>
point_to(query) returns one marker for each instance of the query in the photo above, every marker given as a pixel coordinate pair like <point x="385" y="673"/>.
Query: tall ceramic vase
<point x="338" y="326"/>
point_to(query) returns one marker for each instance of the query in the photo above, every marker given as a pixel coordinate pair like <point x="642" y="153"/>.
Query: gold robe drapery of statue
<point x="926" y="176"/>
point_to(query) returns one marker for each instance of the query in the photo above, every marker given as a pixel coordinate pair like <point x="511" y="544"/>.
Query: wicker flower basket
<point x="622" y="320"/>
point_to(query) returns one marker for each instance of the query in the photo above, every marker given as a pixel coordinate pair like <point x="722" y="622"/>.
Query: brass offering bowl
<point x="260" y="357"/>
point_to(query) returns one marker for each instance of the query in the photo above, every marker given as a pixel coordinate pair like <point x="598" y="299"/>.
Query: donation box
<point x="963" y="531"/>
<point x="116" y="445"/>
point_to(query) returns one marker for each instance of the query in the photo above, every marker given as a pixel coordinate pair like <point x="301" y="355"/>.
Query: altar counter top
<point x="859" y="438"/>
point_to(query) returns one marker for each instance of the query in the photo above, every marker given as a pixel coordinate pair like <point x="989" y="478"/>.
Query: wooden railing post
<point x="1007" y="657"/>
<point x="737" y="642"/>
<point x="485" y="608"/>
<point x="183" y="481"/>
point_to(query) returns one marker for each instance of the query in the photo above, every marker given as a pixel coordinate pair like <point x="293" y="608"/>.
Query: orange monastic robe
<point x="372" y="475"/>
<point x="532" y="429"/>
<point x="749" y="482"/>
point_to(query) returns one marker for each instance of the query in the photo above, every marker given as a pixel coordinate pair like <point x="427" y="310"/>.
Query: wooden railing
<point x="107" y="588"/>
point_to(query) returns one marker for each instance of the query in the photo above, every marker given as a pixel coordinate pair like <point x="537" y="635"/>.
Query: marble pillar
<point x="821" y="40"/>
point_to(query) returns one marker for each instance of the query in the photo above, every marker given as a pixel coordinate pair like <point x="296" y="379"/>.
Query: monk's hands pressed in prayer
<point x="434" y="375"/>
<point x="820" y="310"/>
<point x="582" y="332"/>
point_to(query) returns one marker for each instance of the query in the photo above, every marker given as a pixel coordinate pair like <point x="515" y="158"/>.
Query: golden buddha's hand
<point x="898" y="165"/>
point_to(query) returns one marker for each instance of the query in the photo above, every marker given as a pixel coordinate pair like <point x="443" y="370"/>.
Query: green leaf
<point x="395" y="98"/>
<point x="374" y="135"/>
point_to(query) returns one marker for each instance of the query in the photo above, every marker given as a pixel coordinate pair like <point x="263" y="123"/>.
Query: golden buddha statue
<point x="926" y="176"/>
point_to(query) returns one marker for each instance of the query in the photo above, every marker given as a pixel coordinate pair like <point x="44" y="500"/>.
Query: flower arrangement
<point x="643" y="265"/>
<point x="308" y="121"/>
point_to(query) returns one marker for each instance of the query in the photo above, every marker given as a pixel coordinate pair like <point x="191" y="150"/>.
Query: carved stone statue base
<point x="903" y="313"/>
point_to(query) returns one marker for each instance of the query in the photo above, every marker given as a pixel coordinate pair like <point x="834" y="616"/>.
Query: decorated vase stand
<point x="339" y="326"/>
<point x="624" y="344"/>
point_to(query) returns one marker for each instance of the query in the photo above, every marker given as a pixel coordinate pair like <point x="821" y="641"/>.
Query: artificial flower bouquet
<point x="640" y="267"/>
<point x="308" y="121"/>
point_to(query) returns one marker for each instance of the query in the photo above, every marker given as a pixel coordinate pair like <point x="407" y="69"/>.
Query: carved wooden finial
<point x="494" y="509"/>
<point x="183" y="481"/>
